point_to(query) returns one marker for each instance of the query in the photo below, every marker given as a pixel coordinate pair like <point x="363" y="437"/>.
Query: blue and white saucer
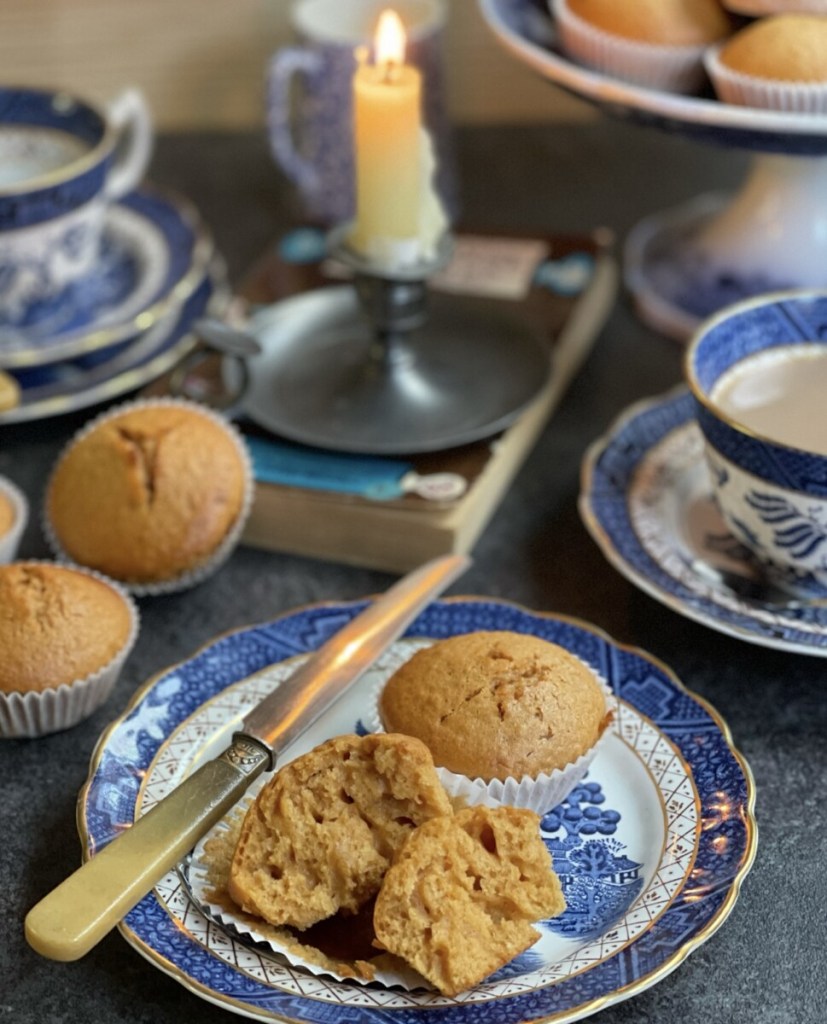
<point x="651" y="847"/>
<point x="646" y="498"/>
<point x="155" y="252"/>
<point x="67" y="386"/>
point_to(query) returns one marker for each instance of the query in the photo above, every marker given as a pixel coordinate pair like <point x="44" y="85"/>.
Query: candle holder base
<point x="368" y="369"/>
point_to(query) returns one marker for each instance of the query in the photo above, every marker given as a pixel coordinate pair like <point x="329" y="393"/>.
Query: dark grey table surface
<point x="767" y="962"/>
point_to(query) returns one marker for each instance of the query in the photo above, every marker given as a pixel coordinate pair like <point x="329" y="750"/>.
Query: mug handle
<point x="131" y="119"/>
<point x="287" y="63"/>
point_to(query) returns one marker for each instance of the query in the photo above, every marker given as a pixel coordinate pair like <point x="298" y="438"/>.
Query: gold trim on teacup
<point x="135" y="377"/>
<point x="80" y="165"/>
<point x="203" y="251"/>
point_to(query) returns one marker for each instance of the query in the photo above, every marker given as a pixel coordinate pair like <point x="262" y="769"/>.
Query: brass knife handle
<point x="76" y="915"/>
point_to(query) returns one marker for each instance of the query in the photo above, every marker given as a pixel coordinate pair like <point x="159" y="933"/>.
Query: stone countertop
<point x="764" y="963"/>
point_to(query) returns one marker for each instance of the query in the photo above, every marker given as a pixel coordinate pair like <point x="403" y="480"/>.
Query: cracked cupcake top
<point x="147" y="494"/>
<point x="496" y="704"/>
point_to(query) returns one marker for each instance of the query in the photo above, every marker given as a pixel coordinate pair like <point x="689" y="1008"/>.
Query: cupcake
<point x="778" y="63"/>
<point x="655" y="43"/>
<point x="508" y="717"/>
<point x="153" y="494"/>
<point x="14" y="513"/>
<point x="64" y="633"/>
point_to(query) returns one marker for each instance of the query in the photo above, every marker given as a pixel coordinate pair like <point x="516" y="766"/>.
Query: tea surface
<point x="780" y="394"/>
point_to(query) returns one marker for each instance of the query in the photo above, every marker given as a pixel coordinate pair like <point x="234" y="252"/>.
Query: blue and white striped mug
<point x="63" y="160"/>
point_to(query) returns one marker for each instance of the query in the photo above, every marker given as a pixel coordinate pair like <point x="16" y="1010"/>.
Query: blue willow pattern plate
<point x="154" y="254"/>
<point x="652" y="847"/>
<point x="646" y="498"/>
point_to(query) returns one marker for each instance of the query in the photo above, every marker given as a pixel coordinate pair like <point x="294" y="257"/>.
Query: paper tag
<point x="497" y="268"/>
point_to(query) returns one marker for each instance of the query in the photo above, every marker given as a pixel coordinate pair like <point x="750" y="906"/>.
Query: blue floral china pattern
<point x="773" y="496"/>
<point x="154" y="252"/>
<point x="62" y="162"/>
<point x="638" y="904"/>
<point x="78" y="384"/>
<point x="646" y="498"/>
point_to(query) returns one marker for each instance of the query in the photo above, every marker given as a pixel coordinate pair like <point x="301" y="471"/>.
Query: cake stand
<point x="685" y="264"/>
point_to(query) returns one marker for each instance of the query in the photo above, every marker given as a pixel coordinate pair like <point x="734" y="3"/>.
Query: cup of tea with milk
<point x="758" y="374"/>
<point x="63" y="159"/>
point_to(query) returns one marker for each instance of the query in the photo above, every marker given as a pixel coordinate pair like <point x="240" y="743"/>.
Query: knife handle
<point x="76" y="915"/>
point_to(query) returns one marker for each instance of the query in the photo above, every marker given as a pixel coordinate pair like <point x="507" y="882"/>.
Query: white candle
<point x="394" y="204"/>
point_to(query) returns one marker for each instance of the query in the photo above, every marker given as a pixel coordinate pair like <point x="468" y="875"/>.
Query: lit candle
<point x="398" y="218"/>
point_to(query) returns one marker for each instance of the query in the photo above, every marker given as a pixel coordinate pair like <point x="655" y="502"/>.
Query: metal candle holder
<point x="385" y="366"/>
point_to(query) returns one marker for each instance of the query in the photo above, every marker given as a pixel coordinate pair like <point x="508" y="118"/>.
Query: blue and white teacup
<point x="311" y="127"/>
<point x="63" y="160"/>
<point x="758" y="374"/>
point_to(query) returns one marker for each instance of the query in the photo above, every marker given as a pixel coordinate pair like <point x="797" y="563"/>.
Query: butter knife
<point x="76" y="915"/>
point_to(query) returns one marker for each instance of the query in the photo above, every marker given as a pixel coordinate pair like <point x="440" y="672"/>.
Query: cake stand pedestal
<point x="684" y="265"/>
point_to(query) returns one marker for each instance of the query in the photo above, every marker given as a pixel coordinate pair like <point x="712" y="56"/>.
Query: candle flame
<point x="390" y="39"/>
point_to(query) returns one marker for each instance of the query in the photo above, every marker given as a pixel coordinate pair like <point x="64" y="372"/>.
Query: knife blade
<point x="77" y="914"/>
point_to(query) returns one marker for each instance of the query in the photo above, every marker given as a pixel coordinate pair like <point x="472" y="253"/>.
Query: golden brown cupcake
<point x="517" y="713"/>
<point x="321" y="834"/>
<point x="64" y="633"/>
<point x="154" y="493"/>
<point x="777" y="63"/>
<point x="655" y="43"/>
<point x="459" y="900"/>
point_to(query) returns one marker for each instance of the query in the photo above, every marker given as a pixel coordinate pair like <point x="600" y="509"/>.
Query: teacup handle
<point x="285" y="64"/>
<point x="131" y="119"/>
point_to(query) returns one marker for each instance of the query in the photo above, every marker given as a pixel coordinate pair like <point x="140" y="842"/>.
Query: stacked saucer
<point x="158" y="272"/>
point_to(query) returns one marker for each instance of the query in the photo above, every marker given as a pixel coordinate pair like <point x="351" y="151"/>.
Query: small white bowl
<point x="10" y="541"/>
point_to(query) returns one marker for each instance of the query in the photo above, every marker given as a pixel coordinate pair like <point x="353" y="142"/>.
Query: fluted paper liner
<point x="671" y="68"/>
<point x="539" y="793"/>
<point x="765" y="93"/>
<point x="38" y="713"/>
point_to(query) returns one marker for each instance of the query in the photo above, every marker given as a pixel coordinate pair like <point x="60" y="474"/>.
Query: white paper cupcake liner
<point x="205" y="569"/>
<point x="10" y="541"/>
<point x="539" y="793"/>
<point x="38" y="713"/>
<point x="657" y="66"/>
<point x="201" y="887"/>
<point x="765" y="93"/>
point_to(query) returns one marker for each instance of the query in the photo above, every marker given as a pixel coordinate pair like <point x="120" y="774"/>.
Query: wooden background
<point x="201" y="63"/>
